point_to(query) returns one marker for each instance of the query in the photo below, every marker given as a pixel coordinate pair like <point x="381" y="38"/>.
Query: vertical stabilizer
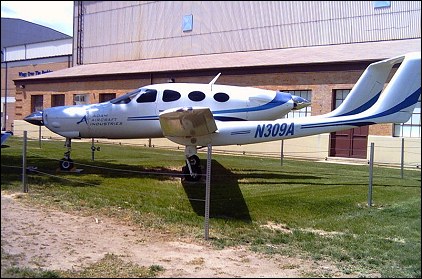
<point x="367" y="89"/>
<point x="399" y="98"/>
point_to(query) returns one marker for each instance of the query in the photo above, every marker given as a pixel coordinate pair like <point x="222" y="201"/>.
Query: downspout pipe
<point x="4" y="126"/>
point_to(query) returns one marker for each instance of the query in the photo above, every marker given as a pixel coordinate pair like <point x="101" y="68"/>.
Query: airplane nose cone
<point x="35" y="118"/>
<point x="300" y="102"/>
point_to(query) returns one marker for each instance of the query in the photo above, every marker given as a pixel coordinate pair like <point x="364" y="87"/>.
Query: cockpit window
<point x="125" y="99"/>
<point x="170" y="95"/>
<point x="149" y="96"/>
<point x="196" y="96"/>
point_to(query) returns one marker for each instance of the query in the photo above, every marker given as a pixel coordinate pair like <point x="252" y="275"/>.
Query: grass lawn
<point x="313" y="209"/>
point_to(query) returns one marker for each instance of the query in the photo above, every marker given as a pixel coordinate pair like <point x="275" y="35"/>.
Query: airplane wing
<point x="187" y="122"/>
<point x="5" y="136"/>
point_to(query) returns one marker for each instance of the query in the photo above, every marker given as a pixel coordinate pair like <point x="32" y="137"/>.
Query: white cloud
<point x="57" y="15"/>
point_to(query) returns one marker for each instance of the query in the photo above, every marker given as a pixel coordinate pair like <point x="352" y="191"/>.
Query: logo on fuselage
<point x="82" y="120"/>
<point x="100" y="120"/>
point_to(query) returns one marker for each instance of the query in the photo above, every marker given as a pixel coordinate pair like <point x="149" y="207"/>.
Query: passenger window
<point x="196" y="96"/>
<point x="221" y="97"/>
<point x="170" y="95"/>
<point x="148" y="96"/>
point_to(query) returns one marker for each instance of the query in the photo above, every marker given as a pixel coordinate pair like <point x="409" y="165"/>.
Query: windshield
<point x="125" y="99"/>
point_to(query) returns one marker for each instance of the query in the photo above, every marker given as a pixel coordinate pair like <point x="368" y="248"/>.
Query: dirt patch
<point x="44" y="238"/>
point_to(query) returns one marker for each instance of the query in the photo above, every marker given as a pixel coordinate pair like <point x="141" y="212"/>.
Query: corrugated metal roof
<point x="16" y="32"/>
<point x="310" y="55"/>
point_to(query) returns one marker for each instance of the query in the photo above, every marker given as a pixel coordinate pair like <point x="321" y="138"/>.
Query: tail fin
<point x="368" y="88"/>
<point x="399" y="98"/>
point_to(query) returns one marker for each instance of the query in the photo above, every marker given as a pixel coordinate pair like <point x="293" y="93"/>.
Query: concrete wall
<point x="389" y="150"/>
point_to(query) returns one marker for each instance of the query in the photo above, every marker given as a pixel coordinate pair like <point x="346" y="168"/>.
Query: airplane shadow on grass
<point x="226" y="199"/>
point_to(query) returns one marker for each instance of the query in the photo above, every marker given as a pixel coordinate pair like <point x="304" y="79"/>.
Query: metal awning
<point x="370" y="51"/>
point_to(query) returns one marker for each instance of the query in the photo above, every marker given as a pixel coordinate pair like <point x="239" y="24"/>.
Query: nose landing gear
<point x="192" y="170"/>
<point x="66" y="164"/>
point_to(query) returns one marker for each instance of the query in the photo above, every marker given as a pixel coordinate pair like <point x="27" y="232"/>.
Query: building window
<point x="381" y="4"/>
<point x="37" y="103"/>
<point x="412" y="128"/>
<point x="340" y="95"/>
<point x="57" y="100"/>
<point x="80" y="99"/>
<point x="105" y="97"/>
<point x="187" y="24"/>
<point x="303" y="112"/>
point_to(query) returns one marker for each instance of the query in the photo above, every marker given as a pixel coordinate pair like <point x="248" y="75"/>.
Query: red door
<point x="350" y="143"/>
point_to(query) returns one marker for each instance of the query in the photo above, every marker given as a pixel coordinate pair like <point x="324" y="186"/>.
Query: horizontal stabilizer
<point x="187" y="122"/>
<point x="5" y="136"/>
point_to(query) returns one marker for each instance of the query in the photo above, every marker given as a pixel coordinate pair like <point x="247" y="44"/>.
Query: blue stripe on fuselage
<point x="228" y="118"/>
<point x="279" y="99"/>
<point x="363" y="107"/>
<point x="409" y="101"/>
<point x="149" y="117"/>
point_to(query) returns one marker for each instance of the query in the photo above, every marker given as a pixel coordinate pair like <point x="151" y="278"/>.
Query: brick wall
<point x="16" y="110"/>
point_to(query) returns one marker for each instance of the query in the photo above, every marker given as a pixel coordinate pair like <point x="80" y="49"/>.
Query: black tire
<point x="194" y="161"/>
<point x="66" y="164"/>
<point x="197" y="173"/>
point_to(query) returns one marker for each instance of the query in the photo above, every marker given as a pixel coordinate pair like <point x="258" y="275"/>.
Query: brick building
<point x="314" y="49"/>
<point x="28" y="49"/>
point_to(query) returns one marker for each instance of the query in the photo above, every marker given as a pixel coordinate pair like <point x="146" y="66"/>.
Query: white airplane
<point x="195" y="115"/>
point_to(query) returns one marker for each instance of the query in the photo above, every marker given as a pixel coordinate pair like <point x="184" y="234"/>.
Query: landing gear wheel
<point x="196" y="169"/>
<point x="194" y="161"/>
<point x="66" y="164"/>
<point x="196" y="173"/>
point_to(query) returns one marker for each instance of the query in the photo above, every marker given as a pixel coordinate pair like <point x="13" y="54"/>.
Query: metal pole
<point x="24" y="180"/>
<point x="282" y="152"/>
<point x="39" y="136"/>
<point x="402" y="157"/>
<point x="207" y="192"/>
<point x="92" y="149"/>
<point x="371" y="167"/>
<point x="5" y="92"/>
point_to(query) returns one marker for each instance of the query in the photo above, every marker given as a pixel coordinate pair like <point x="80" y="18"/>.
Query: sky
<point x="57" y="15"/>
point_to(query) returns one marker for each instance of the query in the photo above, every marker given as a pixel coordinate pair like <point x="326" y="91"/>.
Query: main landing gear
<point x="192" y="170"/>
<point x="66" y="164"/>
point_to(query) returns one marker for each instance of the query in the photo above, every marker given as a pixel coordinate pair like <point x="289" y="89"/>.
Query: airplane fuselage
<point x="136" y="114"/>
<point x="200" y="114"/>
